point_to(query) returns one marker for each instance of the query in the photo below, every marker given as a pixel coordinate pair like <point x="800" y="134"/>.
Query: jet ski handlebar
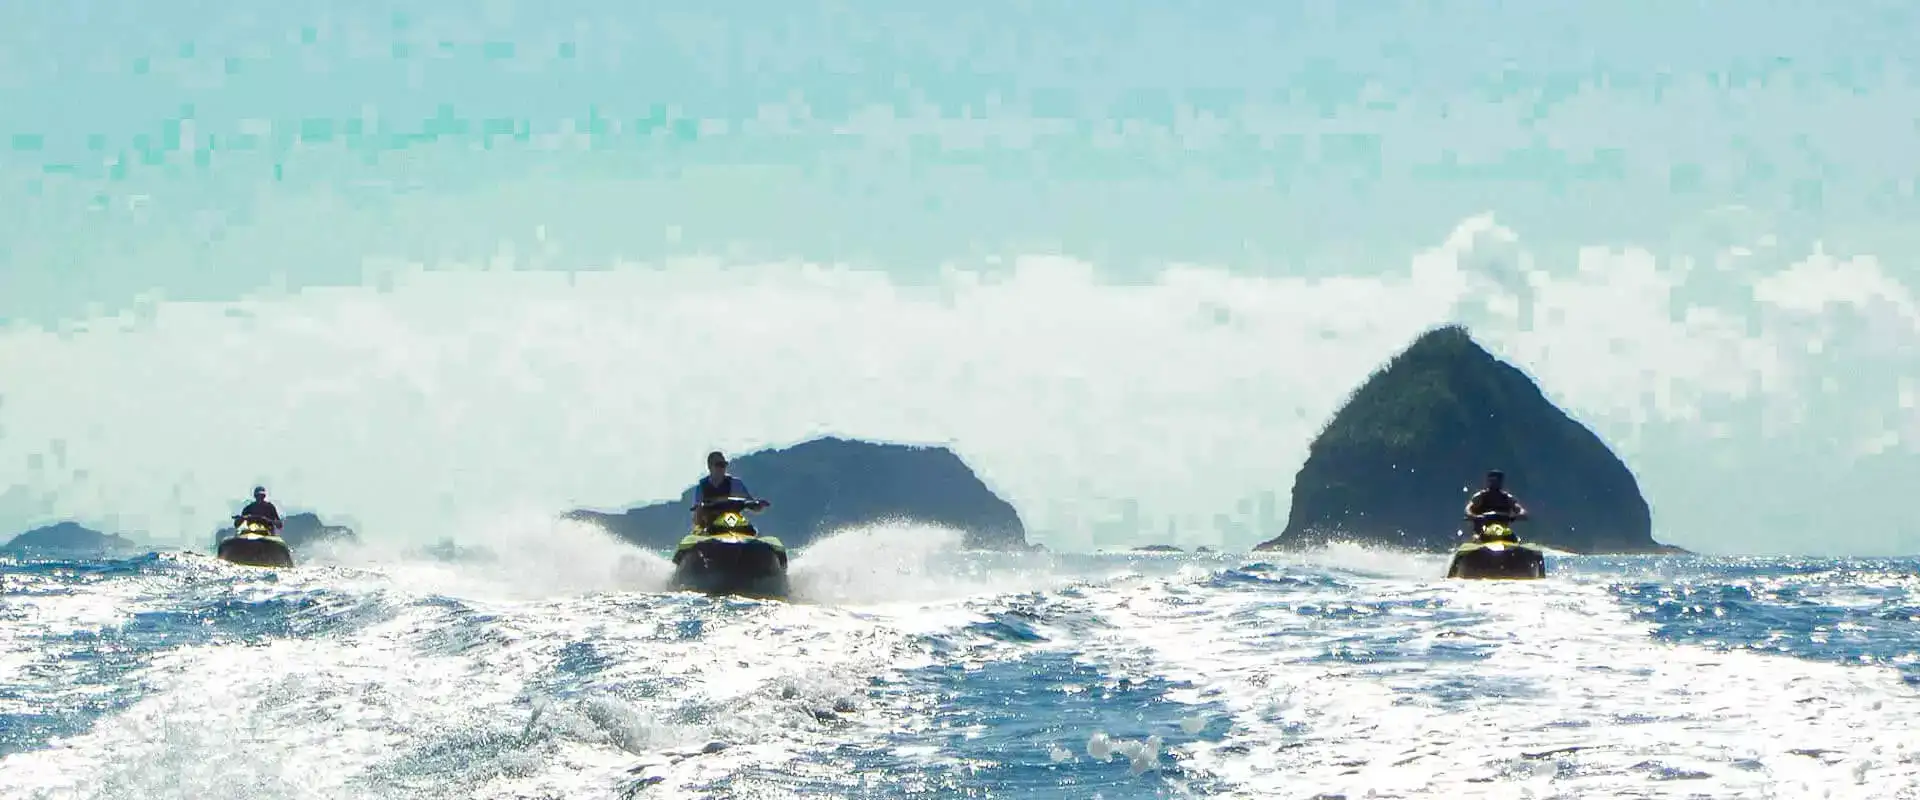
<point x="1494" y="516"/>
<point x="731" y="504"/>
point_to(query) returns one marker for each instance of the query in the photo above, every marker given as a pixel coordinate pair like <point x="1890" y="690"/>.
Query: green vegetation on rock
<point x="1397" y="463"/>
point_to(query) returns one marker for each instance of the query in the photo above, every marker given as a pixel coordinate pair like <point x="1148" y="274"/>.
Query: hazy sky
<point x="420" y="265"/>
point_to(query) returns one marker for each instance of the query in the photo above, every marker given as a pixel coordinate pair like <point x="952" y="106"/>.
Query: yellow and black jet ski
<point x="255" y="544"/>
<point x="1495" y="553"/>
<point x="729" y="556"/>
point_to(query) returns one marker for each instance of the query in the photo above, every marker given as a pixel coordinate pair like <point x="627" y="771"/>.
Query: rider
<point x="1494" y="499"/>
<point x="719" y="485"/>
<point x="260" y="509"/>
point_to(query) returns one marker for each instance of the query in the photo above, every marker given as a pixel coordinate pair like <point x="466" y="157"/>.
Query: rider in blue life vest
<point x="718" y="485"/>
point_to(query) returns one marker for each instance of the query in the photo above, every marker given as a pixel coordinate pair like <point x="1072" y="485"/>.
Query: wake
<point x="892" y="564"/>
<point x="537" y="656"/>
<point x="1347" y="683"/>
<point x="544" y="657"/>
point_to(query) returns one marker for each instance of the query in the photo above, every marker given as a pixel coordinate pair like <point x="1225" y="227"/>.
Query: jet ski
<point x="255" y="544"/>
<point x="729" y="556"/>
<point x="1495" y="553"/>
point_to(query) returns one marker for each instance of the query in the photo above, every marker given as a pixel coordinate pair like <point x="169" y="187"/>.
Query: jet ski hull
<point x="1506" y="560"/>
<point x="255" y="550"/>
<point x="732" y="564"/>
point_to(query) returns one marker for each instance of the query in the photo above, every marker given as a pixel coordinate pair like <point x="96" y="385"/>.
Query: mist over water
<point x="449" y="397"/>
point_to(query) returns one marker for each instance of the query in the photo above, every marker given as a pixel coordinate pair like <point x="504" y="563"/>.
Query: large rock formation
<point x="1398" y="462"/>
<point x="71" y="538"/>
<point x="300" y="530"/>
<point x="831" y="483"/>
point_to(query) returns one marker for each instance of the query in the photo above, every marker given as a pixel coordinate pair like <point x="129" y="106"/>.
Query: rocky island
<point x="829" y="483"/>
<point x="306" y="529"/>
<point x="71" y="538"/>
<point x="1397" y="463"/>
<point x="300" y="530"/>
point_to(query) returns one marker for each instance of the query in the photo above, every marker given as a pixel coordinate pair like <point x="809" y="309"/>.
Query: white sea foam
<point x="1572" y="697"/>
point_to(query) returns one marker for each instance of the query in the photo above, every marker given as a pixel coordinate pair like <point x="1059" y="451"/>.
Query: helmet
<point x="259" y="492"/>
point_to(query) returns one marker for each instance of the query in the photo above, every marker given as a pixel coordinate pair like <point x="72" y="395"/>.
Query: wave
<point x="1349" y="669"/>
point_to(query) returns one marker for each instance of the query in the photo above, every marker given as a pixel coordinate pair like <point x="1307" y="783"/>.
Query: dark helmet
<point x="1496" y="476"/>
<point x="259" y="492"/>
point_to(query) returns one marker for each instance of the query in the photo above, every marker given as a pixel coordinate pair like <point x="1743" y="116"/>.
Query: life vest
<point x="709" y="492"/>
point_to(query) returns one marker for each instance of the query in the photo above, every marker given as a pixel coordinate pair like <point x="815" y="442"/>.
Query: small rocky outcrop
<point x="70" y="538"/>
<point x="1398" y="462"/>
<point x="830" y="483"/>
<point x="306" y="529"/>
<point x="1157" y="548"/>
<point x="301" y="530"/>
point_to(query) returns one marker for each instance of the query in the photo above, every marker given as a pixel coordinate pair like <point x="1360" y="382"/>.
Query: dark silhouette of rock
<point x="1398" y="462"/>
<point x="829" y="483"/>
<point x="449" y="550"/>
<point x="71" y="538"/>
<point x="306" y="529"/>
<point x="1157" y="548"/>
<point x="301" y="530"/>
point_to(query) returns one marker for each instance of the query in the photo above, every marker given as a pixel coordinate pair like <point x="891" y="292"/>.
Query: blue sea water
<point x="908" y="668"/>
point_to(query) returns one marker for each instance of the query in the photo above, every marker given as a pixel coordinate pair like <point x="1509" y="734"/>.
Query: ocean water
<point x="905" y="667"/>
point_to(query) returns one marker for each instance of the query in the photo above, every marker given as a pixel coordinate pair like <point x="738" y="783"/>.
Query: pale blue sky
<point x="1385" y="124"/>
<point x="216" y="150"/>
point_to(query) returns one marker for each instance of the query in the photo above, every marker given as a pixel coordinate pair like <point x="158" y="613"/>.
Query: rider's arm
<point x="744" y="492"/>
